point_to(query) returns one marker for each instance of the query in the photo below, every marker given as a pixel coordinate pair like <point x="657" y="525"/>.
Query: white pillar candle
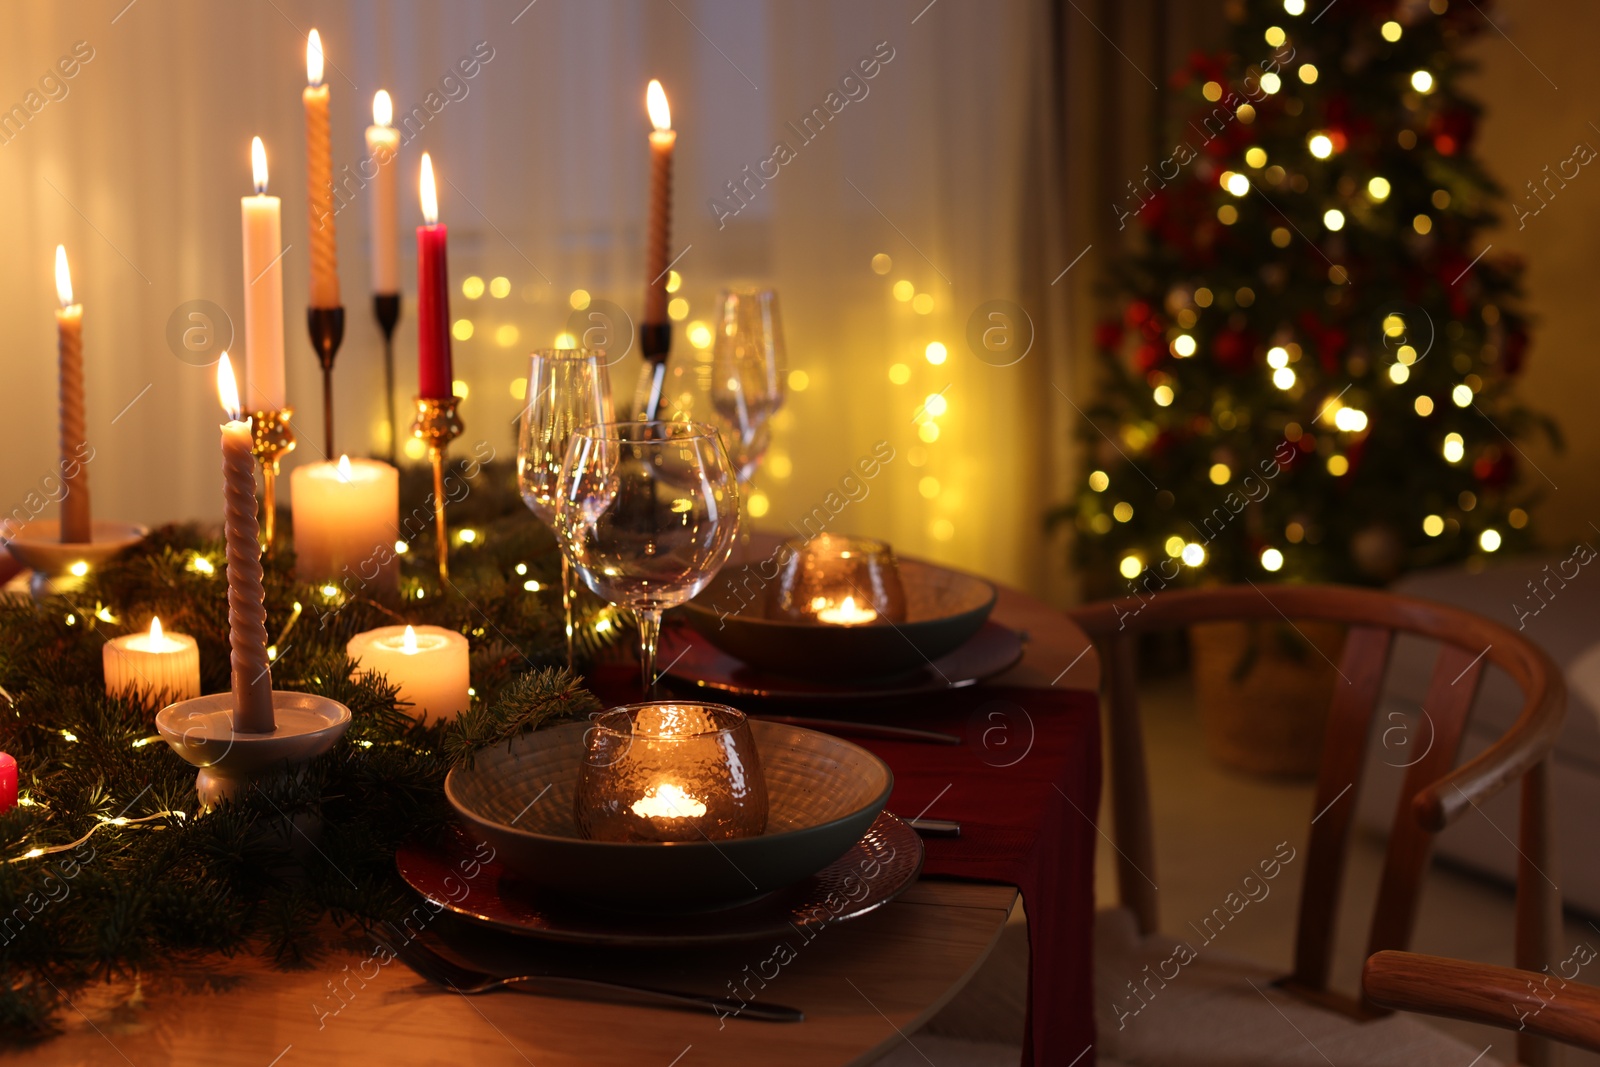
<point x="346" y="518"/>
<point x="161" y="666"/>
<point x="428" y="664"/>
<point x="383" y="141"/>
<point x="263" y="292"/>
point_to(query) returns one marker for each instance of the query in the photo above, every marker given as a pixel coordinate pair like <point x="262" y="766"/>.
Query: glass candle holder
<point x="840" y="581"/>
<point x="679" y="771"/>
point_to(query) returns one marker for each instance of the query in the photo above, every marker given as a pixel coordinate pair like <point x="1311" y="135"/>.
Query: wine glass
<point x="568" y="388"/>
<point x="647" y="514"/>
<point x="747" y="373"/>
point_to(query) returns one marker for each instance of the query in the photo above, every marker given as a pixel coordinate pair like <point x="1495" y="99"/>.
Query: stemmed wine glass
<point x="568" y="388"/>
<point x="647" y="514"/>
<point x="747" y="373"/>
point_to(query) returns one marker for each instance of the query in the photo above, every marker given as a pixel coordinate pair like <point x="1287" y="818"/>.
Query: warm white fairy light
<point x="1271" y="559"/>
<point x="1399" y="373"/>
<point x="1433" y="525"/>
<point x="1461" y="395"/>
<point x="1333" y="219"/>
<point x="1277" y="357"/>
<point x="1422" y="81"/>
<point x="1391" y="30"/>
<point x="1350" y="420"/>
<point x="1321" y="145"/>
<point x="1162" y="395"/>
<point x="1183" y="346"/>
<point x="1220" y="473"/>
<point x="1378" y="188"/>
<point x="1283" y="378"/>
<point x="1193" y="554"/>
<point x="1236" y="183"/>
<point x="1489" y="540"/>
<point x="1454" y="448"/>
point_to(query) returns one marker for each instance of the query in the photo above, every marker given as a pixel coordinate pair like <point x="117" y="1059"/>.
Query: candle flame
<point x="344" y="468"/>
<point x="228" y="388"/>
<point x="409" y="642"/>
<point x="382" y="108"/>
<point x="655" y="102"/>
<point x="430" y="193"/>
<point x="155" y="629"/>
<point x="258" y="165"/>
<point x="666" y="800"/>
<point x="63" y="277"/>
<point x="314" y="60"/>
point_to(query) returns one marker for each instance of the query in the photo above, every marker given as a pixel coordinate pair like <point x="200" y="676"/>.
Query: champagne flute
<point x="568" y="388"/>
<point x="647" y="514"/>
<point x="747" y="373"/>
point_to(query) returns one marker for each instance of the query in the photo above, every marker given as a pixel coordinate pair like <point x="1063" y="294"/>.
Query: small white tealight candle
<point x="846" y="613"/>
<point x="163" y="667"/>
<point x="429" y="664"/>
<point x="666" y="800"/>
<point x="346" y="520"/>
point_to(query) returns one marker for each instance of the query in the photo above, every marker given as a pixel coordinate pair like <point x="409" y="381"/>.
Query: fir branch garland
<point x="169" y="884"/>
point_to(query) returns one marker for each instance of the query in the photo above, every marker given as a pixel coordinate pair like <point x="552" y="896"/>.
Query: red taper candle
<point x="434" y="371"/>
<point x="8" y="782"/>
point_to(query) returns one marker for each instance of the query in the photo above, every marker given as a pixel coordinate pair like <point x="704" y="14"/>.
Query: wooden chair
<point x="1544" y="1003"/>
<point x="1435" y="791"/>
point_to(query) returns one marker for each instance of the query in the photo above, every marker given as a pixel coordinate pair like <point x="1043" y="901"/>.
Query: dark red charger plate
<point x="463" y="876"/>
<point x="689" y="659"/>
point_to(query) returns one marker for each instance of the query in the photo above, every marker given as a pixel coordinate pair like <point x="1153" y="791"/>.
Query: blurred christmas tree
<point x="1311" y="374"/>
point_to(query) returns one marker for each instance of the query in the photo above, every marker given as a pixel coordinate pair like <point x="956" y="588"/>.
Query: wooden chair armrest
<point x="1540" y="1003"/>
<point x="1517" y="751"/>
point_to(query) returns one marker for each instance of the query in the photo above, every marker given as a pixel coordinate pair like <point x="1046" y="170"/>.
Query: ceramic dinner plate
<point x="463" y="876"/>
<point x="693" y="661"/>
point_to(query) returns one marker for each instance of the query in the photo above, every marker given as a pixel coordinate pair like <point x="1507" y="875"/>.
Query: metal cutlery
<point x="441" y="971"/>
<point x="866" y="729"/>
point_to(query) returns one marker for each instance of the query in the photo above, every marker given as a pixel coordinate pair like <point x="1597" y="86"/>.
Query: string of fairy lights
<point x="1338" y="419"/>
<point x="484" y="322"/>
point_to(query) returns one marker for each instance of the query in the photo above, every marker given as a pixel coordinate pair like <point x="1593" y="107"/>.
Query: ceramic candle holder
<point x="678" y="771"/>
<point x="201" y="731"/>
<point x="61" y="568"/>
<point x="839" y="581"/>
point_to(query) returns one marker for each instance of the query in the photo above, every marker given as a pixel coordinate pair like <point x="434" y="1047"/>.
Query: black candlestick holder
<point x="655" y="344"/>
<point x="386" y="308"/>
<point x="327" y="333"/>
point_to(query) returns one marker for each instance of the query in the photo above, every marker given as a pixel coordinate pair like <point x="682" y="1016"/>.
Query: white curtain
<point x="931" y="162"/>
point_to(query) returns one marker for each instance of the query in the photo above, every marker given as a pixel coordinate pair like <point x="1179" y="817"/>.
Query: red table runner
<point x="1025" y="786"/>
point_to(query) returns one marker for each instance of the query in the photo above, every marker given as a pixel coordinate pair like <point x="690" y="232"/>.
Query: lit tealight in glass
<point x="845" y="613"/>
<point x="673" y="771"/>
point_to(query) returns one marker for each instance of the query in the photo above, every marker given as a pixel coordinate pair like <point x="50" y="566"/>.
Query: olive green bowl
<point x="944" y="609"/>
<point x="823" y="794"/>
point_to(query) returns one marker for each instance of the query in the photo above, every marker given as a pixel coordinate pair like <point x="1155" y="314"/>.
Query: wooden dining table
<point x="864" y="986"/>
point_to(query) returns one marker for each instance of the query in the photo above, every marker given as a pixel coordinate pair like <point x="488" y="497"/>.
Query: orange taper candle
<point x="659" y="236"/>
<point x="76" y="526"/>
<point x="319" y="181"/>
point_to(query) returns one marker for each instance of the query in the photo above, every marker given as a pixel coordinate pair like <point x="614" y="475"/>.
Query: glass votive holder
<point x="840" y="581"/>
<point x="671" y="771"/>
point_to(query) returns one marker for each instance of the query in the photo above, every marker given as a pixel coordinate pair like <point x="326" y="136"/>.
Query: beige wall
<point x="1540" y="88"/>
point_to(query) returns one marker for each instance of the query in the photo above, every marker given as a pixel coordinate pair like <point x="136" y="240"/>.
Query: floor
<point x="1212" y="826"/>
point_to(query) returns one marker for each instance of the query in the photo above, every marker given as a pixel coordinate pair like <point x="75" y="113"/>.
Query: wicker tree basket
<point x="1263" y="690"/>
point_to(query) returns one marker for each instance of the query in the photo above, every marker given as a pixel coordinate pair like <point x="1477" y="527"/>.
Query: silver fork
<point x="435" y="968"/>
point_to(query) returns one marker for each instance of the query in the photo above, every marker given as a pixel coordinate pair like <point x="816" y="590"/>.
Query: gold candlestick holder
<point x="436" y="424"/>
<point x="271" y="438"/>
